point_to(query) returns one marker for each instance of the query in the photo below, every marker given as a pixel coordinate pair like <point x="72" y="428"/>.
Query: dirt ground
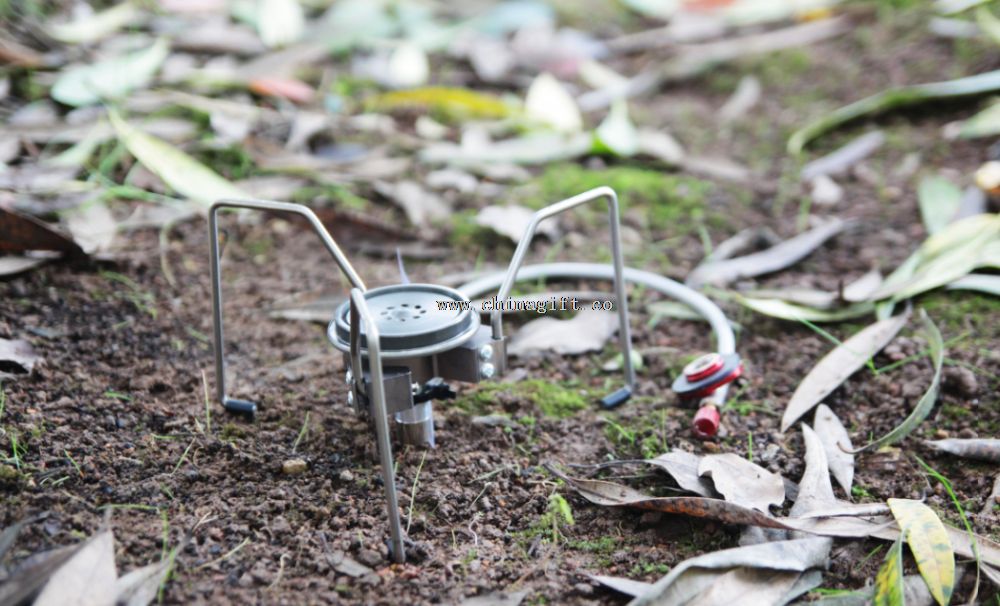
<point x="115" y="418"/>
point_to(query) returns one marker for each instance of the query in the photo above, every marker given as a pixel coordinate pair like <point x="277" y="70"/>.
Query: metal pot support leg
<point x="624" y="332"/>
<point x="232" y="404"/>
<point x="359" y="313"/>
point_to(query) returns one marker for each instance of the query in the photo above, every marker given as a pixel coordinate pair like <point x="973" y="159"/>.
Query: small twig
<point x="281" y="571"/>
<point x="226" y="555"/>
<point x="302" y="432"/>
<point x="413" y="492"/>
<point x="183" y="457"/>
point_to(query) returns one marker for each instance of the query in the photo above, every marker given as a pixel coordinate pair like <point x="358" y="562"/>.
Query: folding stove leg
<point x="359" y="313"/>
<point x="624" y="331"/>
<point x="232" y="404"/>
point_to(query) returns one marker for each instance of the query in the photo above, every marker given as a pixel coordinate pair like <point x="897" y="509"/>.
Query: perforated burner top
<point x="410" y="320"/>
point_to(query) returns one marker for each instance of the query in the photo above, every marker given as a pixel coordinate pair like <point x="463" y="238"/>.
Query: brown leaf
<point x="610" y="494"/>
<point x="294" y="90"/>
<point x="20" y="233"/>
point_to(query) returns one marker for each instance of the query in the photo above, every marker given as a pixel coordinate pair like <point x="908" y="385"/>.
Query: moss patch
<point x="671" y="202"/>
<point x="960" y="311"/>
<point x="552" y="400"/>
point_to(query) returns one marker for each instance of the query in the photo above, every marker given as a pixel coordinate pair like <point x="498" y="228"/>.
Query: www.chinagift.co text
<point x="536" y="305"/>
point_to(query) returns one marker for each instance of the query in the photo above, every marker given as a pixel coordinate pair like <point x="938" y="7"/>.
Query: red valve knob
<point x="706" y="421"/>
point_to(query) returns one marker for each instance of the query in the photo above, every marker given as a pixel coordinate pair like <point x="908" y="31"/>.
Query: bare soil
<point x="116" y="416"/>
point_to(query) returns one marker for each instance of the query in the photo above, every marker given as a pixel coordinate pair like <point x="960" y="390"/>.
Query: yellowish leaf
<point x="928" y="541"/>
<point x="452" y="103"/>
<point x="889" y="580"/>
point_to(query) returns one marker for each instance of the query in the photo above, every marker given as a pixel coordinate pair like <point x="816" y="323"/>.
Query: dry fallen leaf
<point x="838" y="365"/>
<point x="841" y="160"/>
<point x="140" y="587"/>
<point x="696" y="575"/>
<point x="683" y="467"/>
<point x="86" y="579"/>
<point x="16" y="358"/>
<point x="742" y="482"/>
<point x="833" y="435"/>
<point x="815" y="490"/>
<point x="511" y="221"/>
<point x="21" y="233"/>
<point x="610" y="494"/>
<point x="30" y="575"/>
<point x="589" y="330"/>
<point x="983" y="449"/>
<point x="423" y="208"/>
<point x="92" y="225"/>
<point x="777" y="257"/>
<point x="626" y="586"/>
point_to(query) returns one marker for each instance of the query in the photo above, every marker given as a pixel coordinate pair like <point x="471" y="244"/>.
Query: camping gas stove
<point x="403" y="343"/>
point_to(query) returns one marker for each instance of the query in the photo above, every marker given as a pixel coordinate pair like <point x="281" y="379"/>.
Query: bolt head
<point x="348" y="376"/>
<point x="486" y="353"/>
<point x="415" y="388"/>
<point x="487" y="370"/>
<point x="350" y="398"/>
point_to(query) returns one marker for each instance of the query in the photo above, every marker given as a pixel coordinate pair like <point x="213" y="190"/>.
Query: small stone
<point x="968" y="433"/>
<point x="294" y="467"/>
<point x="369" y="558"/>
<point x="941" y="434"/>
<point x="583" y="588"/>
<point x="826" y="192"/>
<point x="962" y="381"/>
<point x="710" y="446"/>
<point x="771" y="452"/>
<point x="346" y="476"/>
<point x="261" y="574"/>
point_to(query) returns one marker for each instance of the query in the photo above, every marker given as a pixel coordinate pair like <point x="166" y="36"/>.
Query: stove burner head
<point x="413" y="320"/>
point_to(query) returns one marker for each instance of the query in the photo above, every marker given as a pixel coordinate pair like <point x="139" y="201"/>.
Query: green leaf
<point x="985" y="283"/>
<point x="984" y="124"/>
<point x="928" y="541"/>
<point x="889" y="580"/>
<point x="926" y="402"/>
<point x="989" y="23"/>
<point x="111" y="79"/>
<point x="944" y="257"/>
<point x="776" y="308"/>
<point x="894" y="98"/>
<point x="181" y="172"/>
<point x="97" y="26"/>
<point x="939" y="200"/>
